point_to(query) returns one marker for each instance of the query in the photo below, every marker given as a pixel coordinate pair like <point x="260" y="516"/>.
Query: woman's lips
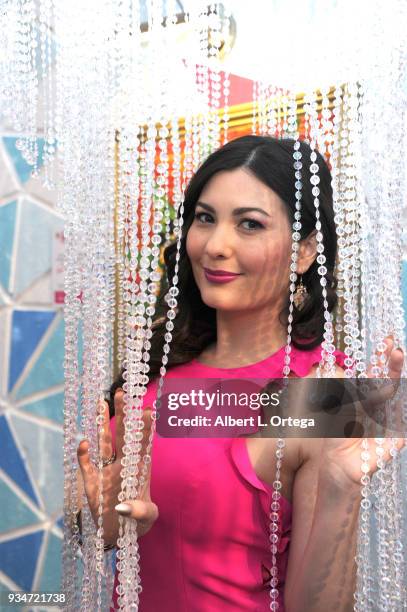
<point x="219" y="276"/>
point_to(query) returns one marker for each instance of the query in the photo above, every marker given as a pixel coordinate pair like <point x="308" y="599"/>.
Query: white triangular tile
<point x="40" y="292"/>
<point x="8" y="183"/>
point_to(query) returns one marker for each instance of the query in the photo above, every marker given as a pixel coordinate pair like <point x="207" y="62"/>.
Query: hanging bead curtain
<point x="124" y="122"/>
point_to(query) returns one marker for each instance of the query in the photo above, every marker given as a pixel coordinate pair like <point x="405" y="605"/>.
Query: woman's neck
<point x="244" y="338"/>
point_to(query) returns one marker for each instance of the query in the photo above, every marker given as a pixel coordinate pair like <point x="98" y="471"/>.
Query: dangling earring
<point x="300" y="295"/>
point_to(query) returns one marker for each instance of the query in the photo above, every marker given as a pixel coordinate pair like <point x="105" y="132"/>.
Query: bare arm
<point x="321" y="571"/>
<point x="321" y="568"/>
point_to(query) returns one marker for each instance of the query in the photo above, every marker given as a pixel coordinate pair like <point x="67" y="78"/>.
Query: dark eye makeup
<point x="200" y="216"/>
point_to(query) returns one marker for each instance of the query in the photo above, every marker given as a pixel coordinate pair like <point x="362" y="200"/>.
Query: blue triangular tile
<point x="14" y="513"/>
<point x="11" y="461"/>
<point x="28" y="327"/>
<point x="7" y="223"/>
<point x="51" y="407"/>
<point x="44" y="451"/>
<point x="51" y="571"/>
<point x="18" y="558"/>
<point x="48" y="370"/>
<point x="22" y="168"/>
<point x="35" y="234"/>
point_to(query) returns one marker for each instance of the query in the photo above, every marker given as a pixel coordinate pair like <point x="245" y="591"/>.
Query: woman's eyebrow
<point x="236" y="211"/>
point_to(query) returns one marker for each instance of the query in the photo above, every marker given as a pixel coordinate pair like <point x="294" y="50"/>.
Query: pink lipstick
<point x="219" y="276"/>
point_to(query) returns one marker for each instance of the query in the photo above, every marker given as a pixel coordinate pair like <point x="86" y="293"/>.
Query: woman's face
<point x="240" y="227"/>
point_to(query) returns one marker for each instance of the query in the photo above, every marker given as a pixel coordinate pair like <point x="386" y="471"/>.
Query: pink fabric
<point x="206" y="550"/>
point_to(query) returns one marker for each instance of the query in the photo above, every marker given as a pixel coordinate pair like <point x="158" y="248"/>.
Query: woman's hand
<point x="142" y="509"/>
<point x="341" y="457"/>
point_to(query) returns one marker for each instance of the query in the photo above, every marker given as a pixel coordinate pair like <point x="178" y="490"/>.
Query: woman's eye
<point x="203" y="217"/>
<point x="252" y="224"/>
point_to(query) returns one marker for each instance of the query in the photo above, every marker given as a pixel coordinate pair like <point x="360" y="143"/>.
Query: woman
<point x="205" y="544"/>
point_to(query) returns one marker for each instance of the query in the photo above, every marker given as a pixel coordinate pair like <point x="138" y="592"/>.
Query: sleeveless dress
<point x="209" y="549"/>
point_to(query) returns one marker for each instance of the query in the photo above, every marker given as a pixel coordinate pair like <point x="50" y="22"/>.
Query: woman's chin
<point x="221" y="303"/>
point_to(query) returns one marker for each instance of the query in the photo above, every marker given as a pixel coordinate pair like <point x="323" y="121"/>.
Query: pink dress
<point x="209" y="549"/>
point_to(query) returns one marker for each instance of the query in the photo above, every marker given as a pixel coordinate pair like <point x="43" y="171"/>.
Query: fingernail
<point x="123" y="509"/>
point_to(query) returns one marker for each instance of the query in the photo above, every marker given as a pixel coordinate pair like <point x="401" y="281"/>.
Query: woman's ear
<point x="307" y="252"/>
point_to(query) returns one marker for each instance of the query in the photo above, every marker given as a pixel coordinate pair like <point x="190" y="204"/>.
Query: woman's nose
<point x="219" y="242"/>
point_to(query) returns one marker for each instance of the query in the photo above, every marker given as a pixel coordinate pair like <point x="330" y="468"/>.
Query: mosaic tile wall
<point x="31" y="381"/>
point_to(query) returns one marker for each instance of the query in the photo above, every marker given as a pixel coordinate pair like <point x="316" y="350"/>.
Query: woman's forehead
<point x="239" y="188"/>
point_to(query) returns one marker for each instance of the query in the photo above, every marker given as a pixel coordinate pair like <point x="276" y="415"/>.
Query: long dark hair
<point x="271" y="161"/>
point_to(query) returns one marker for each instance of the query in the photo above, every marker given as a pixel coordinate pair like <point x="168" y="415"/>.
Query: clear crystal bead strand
<point x="129" y="194"/>
<point x="280" y="443"/>
<point x="286" y="104"/>
<point x="376" y="183"/>
<point x="255" y="107"/>
<point x="327" y="365"/>
<point x="132" y="482"/>
<point x="198" y="121"/>
<point x="161" y="193"/>
<point x="9" y="43"/>
<point x="105" y="289"/>
<point x="50" y="128"/>
<point x="215" y="83"/>
<point x="383" y="520"/>
<point x="160" y="199"/>
<point x="364" y="570"/>
<point x="127" y="70"/>
<point x="364" y="253"/>
<point x="272" y="111"/>
<point x="337" y="199"/>
<point x="128" y="588"/>
<point x="33" y="82"/>
<point x="26" y="22"/>
<point x="306" y="108"/>
<point x="325" y="123"/>
<point x="226" y="93"/>
<point x="397" y="118"/>
<point x="352" y="229"/>
<point x="22" y="72"/>
<point x="378" y="197"/>
<point x="172" y="123"/>
<point x="73" y="236"/>
<point x="389" y="531"/>
<point x="188" y="157"/>
<point x="176" y="165"/>
<point x="355" y="152"/>
<point x="97" y="268"/>
<point x="21" y="54"/>
<point x="366" y="591"/>
<point x="72" y="316"/>
<point x="45" y="23"/>
<point x="262" y="104"/>
<point x="70" y="202"/>
<point x="281" y="112"/>
<point x="202" y="127"/>
<point x="292" y="121"/>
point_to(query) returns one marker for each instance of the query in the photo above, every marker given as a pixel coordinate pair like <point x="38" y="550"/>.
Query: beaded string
<point x="327" y="365"/>
<point x="280" y="443"/>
